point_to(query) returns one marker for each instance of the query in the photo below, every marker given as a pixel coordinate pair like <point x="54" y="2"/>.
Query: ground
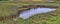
<point x="48" y="18"/>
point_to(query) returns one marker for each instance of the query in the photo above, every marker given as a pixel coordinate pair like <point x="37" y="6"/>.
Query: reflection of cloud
<point x="31" y="12"/>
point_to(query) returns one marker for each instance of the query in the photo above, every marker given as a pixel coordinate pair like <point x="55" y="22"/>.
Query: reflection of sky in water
<point x="31" y="12"/>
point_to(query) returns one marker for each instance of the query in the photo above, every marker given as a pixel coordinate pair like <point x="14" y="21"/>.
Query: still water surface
<point x="28" y="13"/>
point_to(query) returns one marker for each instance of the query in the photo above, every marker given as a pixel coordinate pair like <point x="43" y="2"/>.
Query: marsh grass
<point x="5" y="10"/>
<point x="37" y="19"/>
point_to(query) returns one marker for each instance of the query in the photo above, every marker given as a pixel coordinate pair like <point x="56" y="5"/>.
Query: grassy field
<point x="48" y="18"/>
<point x="5" y="10"/>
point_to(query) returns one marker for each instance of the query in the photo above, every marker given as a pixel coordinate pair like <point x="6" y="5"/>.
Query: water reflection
<point x="31" y="12"/>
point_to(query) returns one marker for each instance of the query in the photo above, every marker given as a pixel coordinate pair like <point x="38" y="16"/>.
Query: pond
<point x="28" y="13"/>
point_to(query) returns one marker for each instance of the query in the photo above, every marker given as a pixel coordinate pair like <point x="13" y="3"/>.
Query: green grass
<point x="5" y="10"/>
<point x="44" y="19"/>
<point x="37" y="19"/>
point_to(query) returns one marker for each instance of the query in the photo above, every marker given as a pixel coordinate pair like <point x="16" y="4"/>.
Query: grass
<point x="45" y="18"/>
<point x="37" y="19"/>
<point x="5" y="10"/>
